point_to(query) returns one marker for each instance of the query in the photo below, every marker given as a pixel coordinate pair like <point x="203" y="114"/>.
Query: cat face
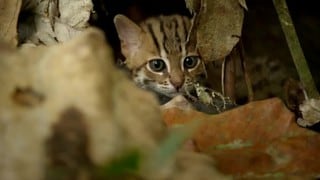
<point x="160" y="53"/>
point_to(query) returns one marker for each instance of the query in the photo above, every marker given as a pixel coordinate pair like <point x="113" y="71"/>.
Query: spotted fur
<point x="165" y="38"/>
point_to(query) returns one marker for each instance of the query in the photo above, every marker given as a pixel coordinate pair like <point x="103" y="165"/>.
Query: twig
<point x="245" y="71"/>
<point x="295" y="48"/>
<point x="229" y="75"/>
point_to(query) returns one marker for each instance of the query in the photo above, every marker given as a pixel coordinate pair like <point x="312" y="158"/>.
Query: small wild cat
<point x="161" y="53"/>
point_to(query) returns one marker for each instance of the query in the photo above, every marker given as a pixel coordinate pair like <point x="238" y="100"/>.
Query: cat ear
<point x="129" y="34"/>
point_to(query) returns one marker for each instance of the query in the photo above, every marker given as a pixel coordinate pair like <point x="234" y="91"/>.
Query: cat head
<point x="161" y="53"/>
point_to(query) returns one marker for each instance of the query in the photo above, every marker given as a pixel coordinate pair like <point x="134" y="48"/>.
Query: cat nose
<point x="177" y="84"/>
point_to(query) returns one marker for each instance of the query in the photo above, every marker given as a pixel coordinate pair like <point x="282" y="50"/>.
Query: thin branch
<point x="245" y="71"/>
<point x="229" y="75"/>
<point x="295" y="48"/>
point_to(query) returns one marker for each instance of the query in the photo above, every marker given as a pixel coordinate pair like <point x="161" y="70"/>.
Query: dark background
<point x="262" y="33"/>
<point x="266" y="50"/>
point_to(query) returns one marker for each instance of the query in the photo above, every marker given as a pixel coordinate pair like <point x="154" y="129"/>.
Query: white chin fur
<point x="168" y="91"/>
<point x="171" y="94"/>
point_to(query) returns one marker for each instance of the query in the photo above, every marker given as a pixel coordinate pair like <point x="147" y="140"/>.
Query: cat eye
<point x="190" y="62"/>
<point x="157" y="65"/>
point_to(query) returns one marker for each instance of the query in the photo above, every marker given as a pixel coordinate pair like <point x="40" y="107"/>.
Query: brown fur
<point x="163" y="37"/>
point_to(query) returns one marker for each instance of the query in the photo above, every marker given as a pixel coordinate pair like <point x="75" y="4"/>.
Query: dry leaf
<point x="9" y="13"/>
<point x="220" y="26"/>
<point x="53" y="21"/>
<point x="254" y="140"/>
<point x="310" y="110"/>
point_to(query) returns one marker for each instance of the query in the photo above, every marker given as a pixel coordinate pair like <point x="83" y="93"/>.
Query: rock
<point x="66" y="112"/>
<point x="66" y="99"/>
<point x="179" y="102"/>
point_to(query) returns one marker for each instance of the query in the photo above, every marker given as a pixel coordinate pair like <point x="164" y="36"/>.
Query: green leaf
<point x="124" y="165"/>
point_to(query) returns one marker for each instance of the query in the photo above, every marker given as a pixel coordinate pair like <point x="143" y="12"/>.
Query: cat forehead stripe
<point x="154" y="38"/>
<point x="185" y="21"/>
<point x="172" y="40"/>
<point x="164" y="37"/>
<point x="169" y="33"/>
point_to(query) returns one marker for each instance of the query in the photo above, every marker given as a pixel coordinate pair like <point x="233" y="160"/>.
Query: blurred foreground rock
<point x="66" y="112"/>
<point x="69" y="96"/>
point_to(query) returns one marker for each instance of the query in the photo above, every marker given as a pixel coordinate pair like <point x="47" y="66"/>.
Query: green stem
<point x="295" y="48"/>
